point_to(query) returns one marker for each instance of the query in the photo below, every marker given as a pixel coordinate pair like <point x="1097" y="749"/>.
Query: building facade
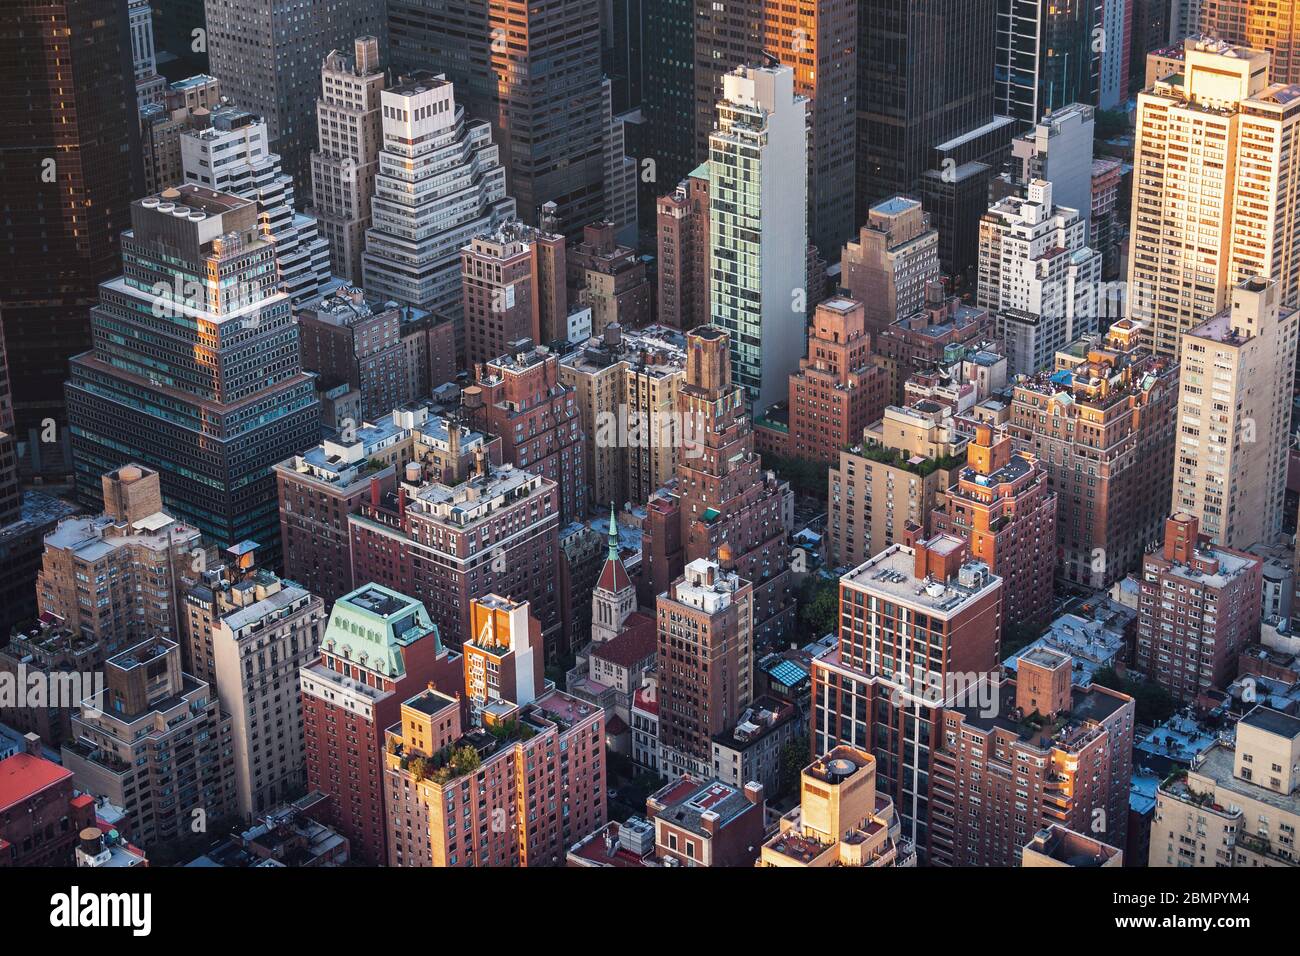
<point x="440" y="183"/>
<point x="1222" y="106"/>
<point x="349" y="132"/>
<point x="214" y="428"/>
<point x="758" y="227"/>
<point x="378" y="648"/>
<point x="1102" y="425"/>
<point x="1234" y="417"/>
<point x="1199" y="607"/>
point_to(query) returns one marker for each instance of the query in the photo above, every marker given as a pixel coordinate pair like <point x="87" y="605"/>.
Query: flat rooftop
<point x="380" y="602"/>
<point x="1275" y="722"/>
<point x="892" y="573"/>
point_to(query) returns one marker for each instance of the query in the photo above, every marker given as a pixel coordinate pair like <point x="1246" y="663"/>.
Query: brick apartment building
<point x="706" y="663"/>
<point x="377" y="650"/>
<point x="838" y="390"/>
<point x="321" y="487"/>
<point x="682" y="219"/>
<point x="725" y="506"/>
<point x="520" y="397"/>
<point x="40" y="813"/>
<point x="496" y="531"/>
<point x="1002" y="506"/>
<point x="516" y="789"/>
<point x="1199" y="607"/>
<point x="513" y="286"/>
<point x="1050" y="754"/>
<point x="1102" y="425"/>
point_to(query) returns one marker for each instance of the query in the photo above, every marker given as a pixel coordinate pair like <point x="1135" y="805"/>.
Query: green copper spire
<point x="613" y="534"/>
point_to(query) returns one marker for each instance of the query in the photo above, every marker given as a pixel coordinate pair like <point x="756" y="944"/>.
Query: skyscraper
<point x="67" y="178"/>
<point x="1211" y="203"/>
<point x="758" y="235"/>
<point x="440" y="183"/>
<point x="1234" y="417"/>
<point x="227" y="150"/>
<point x="625" y="385"/>
<point x="668" y="96"/>
<point x="818" y="40"/>
<point x="196" y="379"/>
<point x="1038" y="275"/>
<point x="268" y="53"/>
<point x="1047" y="56"/>
<point x="1272" y="25"/>
<point x="723" y="506"/>
<point x="349" y="137"/>
<point x="532" y="70"/>
<point x="924" y="81"/>
<point x="180" y="770"/>
<point x="895" y="256"/>
<point x="1058" y="149"/>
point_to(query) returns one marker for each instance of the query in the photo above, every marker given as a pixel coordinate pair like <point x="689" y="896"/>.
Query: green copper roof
<point x="371" y="625"/>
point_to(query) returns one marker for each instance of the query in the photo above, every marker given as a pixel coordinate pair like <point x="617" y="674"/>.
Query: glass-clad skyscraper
<point x="194" y="369"/>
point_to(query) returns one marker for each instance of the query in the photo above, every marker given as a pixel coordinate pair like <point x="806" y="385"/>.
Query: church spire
<point x="613" y="534"/>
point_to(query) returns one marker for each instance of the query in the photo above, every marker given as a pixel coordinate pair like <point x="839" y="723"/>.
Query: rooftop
<point x="892" y="573"/>
<point x="686" y="801"/>
<point x="23" y="775"/>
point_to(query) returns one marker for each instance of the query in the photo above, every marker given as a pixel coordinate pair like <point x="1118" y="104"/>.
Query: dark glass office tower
<point x="622" y="56"/>
<point x="925" y="70"/>
<point x="818" y="40"/>
<point x="532" y="70"/>
<point x="25" y="519"/>
<point x="195" y="369"/>
<point x="1045" y="57"/>
<point x="668" y="96"/>
<point x="68" y="135"/>
<point x="178" y="51"/>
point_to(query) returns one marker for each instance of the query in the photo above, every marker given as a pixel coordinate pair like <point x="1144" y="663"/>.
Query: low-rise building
<point x="1238" y="804"/>
<point x="752" y="749"/>
<point x="707" y="822"/>
<point x="841" y="819"/>
<point x="40" y="812"/>
<point x="1056" y="845"/>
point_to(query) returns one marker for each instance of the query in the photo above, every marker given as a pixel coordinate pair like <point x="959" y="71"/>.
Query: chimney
<point x="374" y="493"/>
